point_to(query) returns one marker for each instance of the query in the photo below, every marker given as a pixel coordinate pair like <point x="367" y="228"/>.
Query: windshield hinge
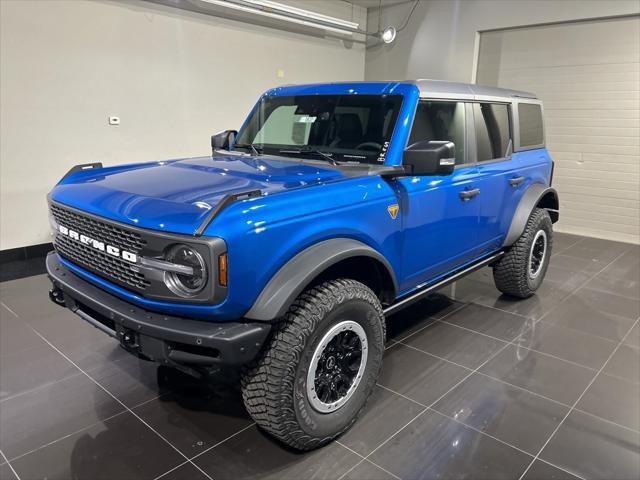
<point x="228" y="199"/>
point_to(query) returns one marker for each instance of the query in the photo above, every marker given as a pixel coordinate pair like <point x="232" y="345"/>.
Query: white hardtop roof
<point x="467" y="91"/>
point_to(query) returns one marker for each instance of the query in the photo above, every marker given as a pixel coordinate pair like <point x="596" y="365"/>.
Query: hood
<point x="176" y="195"/>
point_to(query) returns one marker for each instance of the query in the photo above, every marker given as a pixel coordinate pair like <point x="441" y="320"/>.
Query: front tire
<point x="521" y="270"/>
<point x="320" y="366"/>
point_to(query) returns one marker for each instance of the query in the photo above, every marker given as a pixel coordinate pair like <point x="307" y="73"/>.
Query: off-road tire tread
<point x="268" y="382"/>
<point x="510" y="272"/>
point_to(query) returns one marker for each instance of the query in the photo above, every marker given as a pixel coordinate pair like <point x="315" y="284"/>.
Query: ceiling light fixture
<point x="288" y="14"/>
<point x="388" y="35"/>
<point x="287" y="9"/>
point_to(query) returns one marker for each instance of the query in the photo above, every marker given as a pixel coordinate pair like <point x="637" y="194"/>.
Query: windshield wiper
<point x="311" y="151"/>
<point x="251" y="146"/>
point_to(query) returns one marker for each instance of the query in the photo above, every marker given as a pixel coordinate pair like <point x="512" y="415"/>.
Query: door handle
<point x="515" y="181"/>
<point x="467" y="195"/>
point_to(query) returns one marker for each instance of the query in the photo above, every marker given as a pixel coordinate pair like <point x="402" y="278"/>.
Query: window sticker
<point x="306" y="119"/>
<point x="383" y="152"/>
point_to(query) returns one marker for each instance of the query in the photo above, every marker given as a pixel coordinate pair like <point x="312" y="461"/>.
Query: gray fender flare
<point x="295" y="275"/>
<point x="531" y="198"/>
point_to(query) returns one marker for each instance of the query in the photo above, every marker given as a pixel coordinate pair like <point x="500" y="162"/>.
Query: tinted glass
<point x="530" y="119"/>
<point x="440" y="121"/>
<point x="345" y="127"/>
<point x="493" y="135"/>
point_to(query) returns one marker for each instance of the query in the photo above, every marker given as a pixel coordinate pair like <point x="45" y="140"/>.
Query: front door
<point x="440" y="213"/>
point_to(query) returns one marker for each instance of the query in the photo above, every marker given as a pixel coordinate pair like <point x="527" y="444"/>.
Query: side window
<point x="440" y="121"/>
<point x="530" y="120"/>
<point x="493" y="135"/>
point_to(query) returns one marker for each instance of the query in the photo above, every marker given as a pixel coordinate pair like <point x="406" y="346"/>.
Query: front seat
<point x="348" y="131"/>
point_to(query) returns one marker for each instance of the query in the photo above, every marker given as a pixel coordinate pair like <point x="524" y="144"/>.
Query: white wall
<point x="440" y="38"/>
<point x="174" y="78"/>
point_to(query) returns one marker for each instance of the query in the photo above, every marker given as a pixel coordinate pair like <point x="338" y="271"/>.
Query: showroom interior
<point x="473" y="382"/>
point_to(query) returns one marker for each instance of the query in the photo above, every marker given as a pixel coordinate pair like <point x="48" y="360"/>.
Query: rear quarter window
<point x="530" y="123"/>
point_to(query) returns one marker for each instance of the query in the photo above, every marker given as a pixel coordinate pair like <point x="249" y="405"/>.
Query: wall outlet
<point x="114" y="120"/>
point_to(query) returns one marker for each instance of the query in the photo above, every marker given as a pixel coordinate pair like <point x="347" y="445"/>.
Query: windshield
<point x="338" y="128"/>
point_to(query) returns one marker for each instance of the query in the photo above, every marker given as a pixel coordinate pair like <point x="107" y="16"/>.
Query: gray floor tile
<point x="489" y="321"/>
<point x="368" y="471"/>
<point x="568" y="280"/>
<point x="252" y="454"/>
<point x="15" y="335"/>
<point x="562" y="241"/>
<point x="185" y="472"/>
<point x="593" y="448"/>
<point x="607" y="302"/>
<point x="547" y="297"/>
<point x="6" y="473"/>
<point x="627" y="267"/>
<point x="434" y="446"/>
<point x="625" y="363"/>
<point x="119" y="448"/>
<point x="195" y="419"/>
<point x="84" y="344"/>
<point x="510" y="414"/>
<point x="385" y="413"/>
<point x="578" y="265"/>
<point x="33" y="368"/>
<point x="419" y="315"/>
<point x="131" y="380"/>
<point x="457" y="345"/>
<point x="483" y="275"/>
<point x="467" y="290"/>
<point x="597" y="250"/>
<point x="540" y="373"/>
<point x="605" y="244"/>
<point x="417" y="375"/>
<point x="613" y="399"/>
<point x="29" y="298"/>
<point x="44" y="415"/>
<point x="543" y="471"/>
<point x="616" y="285"/>
<point x="569" y="344"/>
<point x="633" y="338"/>
<point x="581" y="327"/>
<point x="596" y="313"/>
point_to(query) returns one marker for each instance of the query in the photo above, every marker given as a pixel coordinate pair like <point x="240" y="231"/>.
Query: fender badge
<point x="393" y="210"/>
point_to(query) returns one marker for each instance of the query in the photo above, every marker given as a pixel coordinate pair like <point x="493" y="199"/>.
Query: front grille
<point x="105" y="265"/>
<point x="108" y="266"/>
<point x="105" y="232"/>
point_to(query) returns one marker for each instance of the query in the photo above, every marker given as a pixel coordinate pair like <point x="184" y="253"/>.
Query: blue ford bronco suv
<point x="283" y="253"/>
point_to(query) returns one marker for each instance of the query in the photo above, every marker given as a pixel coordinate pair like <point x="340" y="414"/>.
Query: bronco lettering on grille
<point x="98" y="245"/>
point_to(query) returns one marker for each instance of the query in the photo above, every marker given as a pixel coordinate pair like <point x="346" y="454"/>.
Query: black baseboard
<point x="23" y="261"/>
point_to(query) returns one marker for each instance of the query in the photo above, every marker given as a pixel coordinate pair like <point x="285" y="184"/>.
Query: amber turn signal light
<point x="223" y="275"/>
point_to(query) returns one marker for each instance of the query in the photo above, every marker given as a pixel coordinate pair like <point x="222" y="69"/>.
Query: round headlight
<point x="182" y="284"/>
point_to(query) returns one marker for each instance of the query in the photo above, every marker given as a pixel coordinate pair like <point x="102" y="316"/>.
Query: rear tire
<point x="299" y="389"/>
<point x="521" y="270"/>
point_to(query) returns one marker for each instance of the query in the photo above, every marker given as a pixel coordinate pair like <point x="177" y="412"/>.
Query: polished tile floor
<point x="474" y="385"/>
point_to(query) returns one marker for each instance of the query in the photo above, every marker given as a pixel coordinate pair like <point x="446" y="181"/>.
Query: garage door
<point x="588" y="75"/>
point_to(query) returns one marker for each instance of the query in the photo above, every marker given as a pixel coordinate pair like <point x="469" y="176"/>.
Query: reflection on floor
<point x="473" y="385"/>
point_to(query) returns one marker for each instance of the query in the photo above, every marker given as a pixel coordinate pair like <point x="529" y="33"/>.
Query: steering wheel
<point x="369" y="145"/>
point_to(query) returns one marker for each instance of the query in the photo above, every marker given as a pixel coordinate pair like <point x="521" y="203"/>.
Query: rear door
<point x="439" y="227"/>
<point x="502" y="179"/>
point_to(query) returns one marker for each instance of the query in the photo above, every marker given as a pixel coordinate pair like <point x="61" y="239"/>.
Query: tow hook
<point x="128" y="339"/>
<point x="57" y="296"/>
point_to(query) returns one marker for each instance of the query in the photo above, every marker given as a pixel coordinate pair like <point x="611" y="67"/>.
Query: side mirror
<point x="433" y="157"/>
<point x="223" y="140"/>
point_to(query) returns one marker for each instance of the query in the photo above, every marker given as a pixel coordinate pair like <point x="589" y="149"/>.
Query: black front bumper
<point x="166" y="339"/>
